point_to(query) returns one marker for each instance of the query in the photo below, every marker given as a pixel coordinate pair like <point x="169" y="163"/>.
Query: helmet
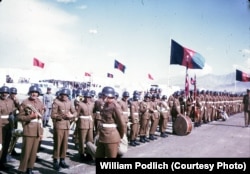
<point x="4" y="89"/>
<point x="99" y="94"/>
<point x="136" y="92"/>
<point x="147" y="95"/>
<point x="87" y="94"/>
<point x="116" y="94"/>
<point x="79" y="92"/>
<point x="125" y="94"/>
<point x="13" y="90"/>
<point x="34" y="89"/>
<point x="152" y="89"/>
<point x="136" y="97"/>
<point x="65" y="91"/>
<point x="164" y="97"/>
<point x="108" y="91"/>
<point x="93" y="93"/>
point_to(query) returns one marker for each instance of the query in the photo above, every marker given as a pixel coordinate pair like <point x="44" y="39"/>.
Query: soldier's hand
<point x="33" y="115"/>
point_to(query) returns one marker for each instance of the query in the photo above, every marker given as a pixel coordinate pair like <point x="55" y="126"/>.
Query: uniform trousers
<point x="134" y="131"/>
<point x="144" y="126"/>
<point x="29" y="151"/>
<point x="154" y="123"/>
<point x="6" y="138"/>
<point x="247" y="118"/>
<point x="60" y="143"/>
<point x="85" y="135"/>
<point x="109" y="150"/>
<point x="163" y="122"/>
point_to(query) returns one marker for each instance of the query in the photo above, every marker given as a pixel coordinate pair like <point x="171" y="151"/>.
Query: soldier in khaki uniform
<point x="154" y="117"/>
<point x="135" y="119"/>
<point x="125" y="108"/>
<point x="85" y="124"/>
<point x="98" y="106"/>
<point x="31" y="111"/>
<point x="164" y="116"/>
<point x="111" y="127"/>
<point x="145" y="107"/>
<point x="6" y="111"/>
<point x="63" y="112"/>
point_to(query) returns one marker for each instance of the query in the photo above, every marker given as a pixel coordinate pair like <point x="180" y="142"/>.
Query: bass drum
<point x="182" y="125"/>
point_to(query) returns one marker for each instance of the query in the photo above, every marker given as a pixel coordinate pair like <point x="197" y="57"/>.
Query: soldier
<point x="63" y="112"/>
<point x="135" y="120"/>
<point x="154" y="117"/>
<point x="246" y="103"/>
<point x="7" y="108"/>
<point x="175" y="108"/>
<point x="16" y="133"/>
<point x="112" y="126"/>
<point x="31" y="112"/>
<point x="164" y="116"/>
<point x="125" y="108"/>
<point x="47" y="101"/>
<point x="145" y="107"/>
<point x="98" y="106"/>
<point x="85" y="124"/>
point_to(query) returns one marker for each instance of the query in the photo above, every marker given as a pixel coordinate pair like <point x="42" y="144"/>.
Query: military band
<point x="106" y="126"/>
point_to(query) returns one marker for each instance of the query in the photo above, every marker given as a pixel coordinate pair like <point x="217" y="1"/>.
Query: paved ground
<point x="215" y="139"/>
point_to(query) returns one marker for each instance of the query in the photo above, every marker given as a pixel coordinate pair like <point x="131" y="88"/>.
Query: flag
<point x="242" y="76"/>
<point x="150" y="77"/>
<point x="109" y="75"/>
<point x="186" y="86"/>
<point x="185" y="57"/>
<point x="38" y="63"/>
<point x="193" y="81"/>
<point x="87" y="74"/>
<point x="120" y="66"/>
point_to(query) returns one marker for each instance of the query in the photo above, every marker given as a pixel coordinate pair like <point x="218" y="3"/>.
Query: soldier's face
<point x="34" y="95"/>
<point x="4" y="95"/>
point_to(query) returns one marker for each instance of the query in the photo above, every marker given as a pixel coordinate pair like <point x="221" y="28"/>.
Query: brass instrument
<point x="16" y="134"/>
<point x="30" y="108"/>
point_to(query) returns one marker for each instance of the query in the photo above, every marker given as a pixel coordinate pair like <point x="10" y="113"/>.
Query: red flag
<point x="38" y="63"/>
<point x="87" y="74"/>
<point x="187" y="86"/>
<point x="109" y="75"/>
<point x="150" y="77"/>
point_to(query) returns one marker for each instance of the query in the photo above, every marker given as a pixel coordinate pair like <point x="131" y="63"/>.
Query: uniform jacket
<point x="59" y="110"/>
<point x="125" y="110"/>
<point x="6" y="108"/>
<point x="31" y="127"/>
<point x="111" y="114"/>
<point x="134" y="111"/>
<point x="85" y="109"/>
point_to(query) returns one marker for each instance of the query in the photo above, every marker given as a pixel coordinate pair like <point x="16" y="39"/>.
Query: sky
<point x="76" y="36"/>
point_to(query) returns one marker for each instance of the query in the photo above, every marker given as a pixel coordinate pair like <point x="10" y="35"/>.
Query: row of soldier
<point x="141" y="116"/>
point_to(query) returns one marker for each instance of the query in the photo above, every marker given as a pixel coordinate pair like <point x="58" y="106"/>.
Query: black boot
<point x="146" y="139"/>
<point x="136" y="143"/>
<point x="151" y="137"/>
<point x="56" y="165"/>
<point x="63" y="164"/>
<point x="142" y="139"/>
<point x="29" y="171"/>
<point x="47" y="124"/>
<point x="132" y="143"/>
<point x="164" y="135"/>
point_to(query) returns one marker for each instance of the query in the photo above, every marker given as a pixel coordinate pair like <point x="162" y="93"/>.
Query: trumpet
<point x="30" y="108"/>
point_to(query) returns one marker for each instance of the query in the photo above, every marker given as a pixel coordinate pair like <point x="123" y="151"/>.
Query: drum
<point x="182" y="125"/>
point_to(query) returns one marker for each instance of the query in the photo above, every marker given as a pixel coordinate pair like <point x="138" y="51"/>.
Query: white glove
<point x="0" y="147"/>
